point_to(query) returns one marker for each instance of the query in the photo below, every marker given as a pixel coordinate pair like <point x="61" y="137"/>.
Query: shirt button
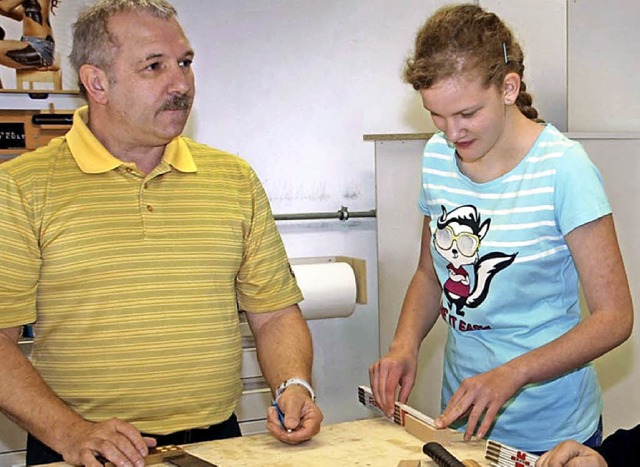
<point x="129" y="169"/>
<point x="149" y="208"/>
<point x="145" y="186"/>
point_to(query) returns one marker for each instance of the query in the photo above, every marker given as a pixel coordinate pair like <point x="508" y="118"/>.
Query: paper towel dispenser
<point x="331" y="286"/>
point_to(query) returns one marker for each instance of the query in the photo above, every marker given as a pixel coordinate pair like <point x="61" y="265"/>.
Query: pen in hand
<point x="281" y="416"/>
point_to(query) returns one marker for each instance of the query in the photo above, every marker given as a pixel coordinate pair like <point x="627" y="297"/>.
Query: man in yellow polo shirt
<point x="132" y="248"/>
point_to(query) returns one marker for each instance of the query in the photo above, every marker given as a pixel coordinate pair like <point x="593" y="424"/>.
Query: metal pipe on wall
<point x="343" y="214"/>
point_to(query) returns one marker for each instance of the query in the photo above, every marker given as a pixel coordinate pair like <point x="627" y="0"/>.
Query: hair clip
<point x="504" y="49"/>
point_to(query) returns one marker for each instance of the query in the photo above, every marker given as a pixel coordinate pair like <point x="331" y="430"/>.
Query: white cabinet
<point x="13" y="459"/>
<point x="398" y="178"/>
<point x="13" y="441"/>
<point x="12" y="437"/>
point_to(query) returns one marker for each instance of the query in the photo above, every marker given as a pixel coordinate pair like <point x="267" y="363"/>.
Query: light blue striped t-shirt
<point x="509" y="282"/>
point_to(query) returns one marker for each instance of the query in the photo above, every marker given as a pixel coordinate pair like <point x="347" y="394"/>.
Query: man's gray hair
<point x="92" y="43"/>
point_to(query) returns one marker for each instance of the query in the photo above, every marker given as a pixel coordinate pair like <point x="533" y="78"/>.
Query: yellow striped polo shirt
<point x="135" y="280"/>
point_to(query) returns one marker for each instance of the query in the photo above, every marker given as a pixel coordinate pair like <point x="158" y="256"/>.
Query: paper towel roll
<point x="329" y="289"/>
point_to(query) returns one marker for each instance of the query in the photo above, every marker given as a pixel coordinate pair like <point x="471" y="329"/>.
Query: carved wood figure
<point x="35" y="50"/>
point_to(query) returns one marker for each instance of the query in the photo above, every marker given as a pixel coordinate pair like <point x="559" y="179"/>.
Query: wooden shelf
<point x="397" y="136"/>
<point x="28" y="92"/>
<point x="35" y="135"/>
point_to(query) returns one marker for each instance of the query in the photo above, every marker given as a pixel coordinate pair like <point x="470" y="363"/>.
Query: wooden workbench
<point x="371" y="442"/>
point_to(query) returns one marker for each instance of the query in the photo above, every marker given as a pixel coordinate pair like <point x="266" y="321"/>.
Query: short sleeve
<point x="265" y="281"/>
<point x="580" y="196"/>
<point x="19" y="256"/>
<point x="436" y="159"/>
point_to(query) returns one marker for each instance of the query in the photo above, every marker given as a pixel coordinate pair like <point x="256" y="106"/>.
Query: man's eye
<point x="186" y="63"/>
<point x="468" y="114"/>
<point x="153" y="66"/>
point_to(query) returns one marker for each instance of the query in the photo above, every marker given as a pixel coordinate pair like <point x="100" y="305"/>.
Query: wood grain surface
<point x="371" y="442"/>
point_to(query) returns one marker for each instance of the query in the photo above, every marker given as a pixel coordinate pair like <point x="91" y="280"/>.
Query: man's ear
<point x="96" y="83"/>
<point x="511" y="87"/>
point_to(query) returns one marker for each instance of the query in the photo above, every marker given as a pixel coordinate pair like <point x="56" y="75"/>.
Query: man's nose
<point x="181" y="80"/>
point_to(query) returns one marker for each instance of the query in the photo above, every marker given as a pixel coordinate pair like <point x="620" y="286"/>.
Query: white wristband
<point x="295" y="382"/>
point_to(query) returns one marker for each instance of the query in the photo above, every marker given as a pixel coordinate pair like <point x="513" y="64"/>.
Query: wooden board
<point x="35" y="136"/>
<point x="372" y="442"/>
<point x="426" y="434"/>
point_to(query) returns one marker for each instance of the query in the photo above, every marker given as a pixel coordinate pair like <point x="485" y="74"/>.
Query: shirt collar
<point x="92" y="157"/>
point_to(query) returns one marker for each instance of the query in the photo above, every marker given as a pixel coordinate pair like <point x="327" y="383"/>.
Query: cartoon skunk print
<point x="457" y="239"/>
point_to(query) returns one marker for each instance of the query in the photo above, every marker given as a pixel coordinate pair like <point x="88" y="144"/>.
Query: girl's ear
<point x="511" y="88"/>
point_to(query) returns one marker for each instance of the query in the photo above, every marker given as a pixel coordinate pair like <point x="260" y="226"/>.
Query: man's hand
<point x="572" y="454"/>
<point x="116" y="440"/>
<point x="302" y="417"/>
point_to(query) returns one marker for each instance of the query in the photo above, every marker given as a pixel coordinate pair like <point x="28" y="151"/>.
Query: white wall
<point x="292" y="85"/>
<point x="604" y="45"/>
<point x="580" y="58"/>
<point x="398" y="179"/>
<point x="619" y="371"/>
<point x="541" y="28"/>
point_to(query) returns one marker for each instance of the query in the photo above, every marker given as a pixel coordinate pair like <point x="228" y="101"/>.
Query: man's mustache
<point x="177" y="102"/>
